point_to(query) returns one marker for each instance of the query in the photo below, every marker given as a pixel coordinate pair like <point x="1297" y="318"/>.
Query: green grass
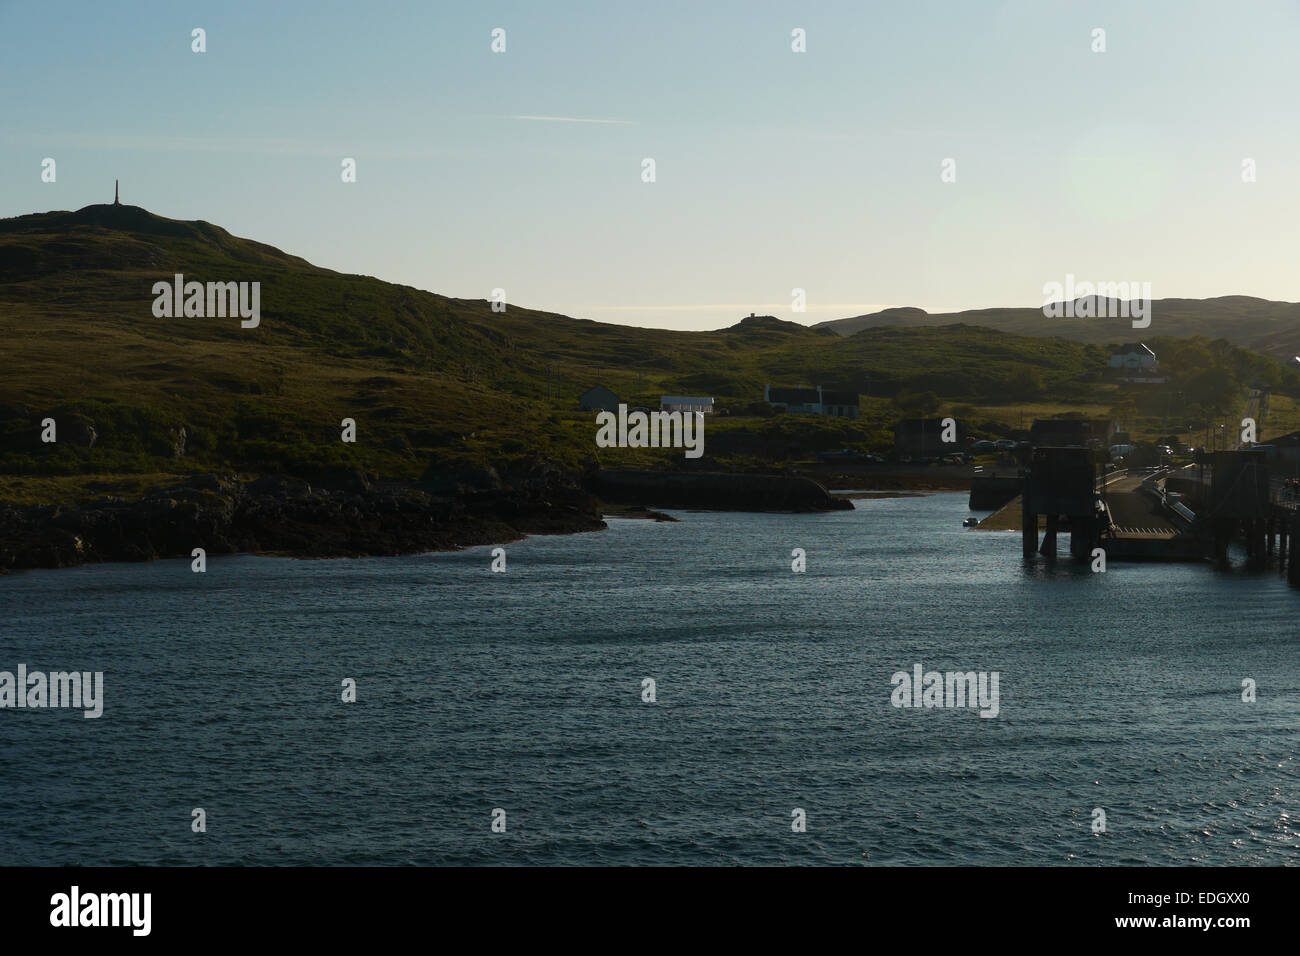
<point x="47" y="489"/>
<point x="430" y="379"/>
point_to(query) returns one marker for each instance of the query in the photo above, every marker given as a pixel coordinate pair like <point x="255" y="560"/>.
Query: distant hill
<point x="770" y="323"/>
<point x="53" y="241"/>
<point x="429" y="380"/>
<point x="1259" y="324"/>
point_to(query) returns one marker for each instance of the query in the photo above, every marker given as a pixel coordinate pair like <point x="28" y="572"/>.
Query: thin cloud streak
<point x="570" y="119"/>
<point x="153" y="143"/>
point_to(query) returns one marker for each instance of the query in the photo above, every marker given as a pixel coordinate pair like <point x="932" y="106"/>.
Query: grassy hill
<point x="429" y="380"/>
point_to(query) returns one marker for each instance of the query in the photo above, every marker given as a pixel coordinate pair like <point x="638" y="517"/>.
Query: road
<point x="1135" y="514"/>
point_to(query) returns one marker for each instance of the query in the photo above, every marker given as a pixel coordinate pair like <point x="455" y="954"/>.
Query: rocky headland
<point x="353" y="515"/>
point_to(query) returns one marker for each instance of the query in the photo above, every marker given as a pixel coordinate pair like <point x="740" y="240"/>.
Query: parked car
<point x="983" y="447"/>
<point x="1004" y="444"/>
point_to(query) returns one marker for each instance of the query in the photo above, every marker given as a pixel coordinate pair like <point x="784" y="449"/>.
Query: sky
<point x="774" y="170"/>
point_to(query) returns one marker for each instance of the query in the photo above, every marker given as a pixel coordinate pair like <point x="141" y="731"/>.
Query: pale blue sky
<point x="776" y="170"/>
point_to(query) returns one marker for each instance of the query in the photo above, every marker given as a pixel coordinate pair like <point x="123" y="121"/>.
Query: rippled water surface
<point x="522" y="691"/>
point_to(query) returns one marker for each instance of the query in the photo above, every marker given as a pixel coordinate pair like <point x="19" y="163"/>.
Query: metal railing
<point x="1110" y="476"/>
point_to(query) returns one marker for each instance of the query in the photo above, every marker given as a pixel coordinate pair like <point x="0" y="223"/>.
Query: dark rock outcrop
<point x="347" y="516"/>
<point x="176" y="438"/>
<point x="77" y="429"/>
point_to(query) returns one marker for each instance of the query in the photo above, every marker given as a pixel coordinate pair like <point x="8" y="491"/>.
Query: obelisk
<point x="116" y="200"/>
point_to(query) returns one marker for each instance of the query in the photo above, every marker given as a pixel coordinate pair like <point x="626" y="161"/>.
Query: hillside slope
<point x="1270" y="327"/>
<point x="433" y="383"/>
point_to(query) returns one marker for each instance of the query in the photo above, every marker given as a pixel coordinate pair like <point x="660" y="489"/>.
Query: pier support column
<point x="1029" y="529"/>
<point x="1293" y="554"/>
<point x="1049" y="537"/>
<point x="1257" y="534"/>
<point x="1223" y="528"/>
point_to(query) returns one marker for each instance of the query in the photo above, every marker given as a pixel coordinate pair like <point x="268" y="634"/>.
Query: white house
<point x="813" y="401"/>
<point x="686" y="403"/>
<point x="1134" y="362"/>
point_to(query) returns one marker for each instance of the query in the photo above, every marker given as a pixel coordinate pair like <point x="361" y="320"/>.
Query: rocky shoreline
<point x="276" y="514"/>
<point x="354" y="516"/>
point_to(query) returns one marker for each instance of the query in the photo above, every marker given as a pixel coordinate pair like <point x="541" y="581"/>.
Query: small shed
<point x="598" y="399"/>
